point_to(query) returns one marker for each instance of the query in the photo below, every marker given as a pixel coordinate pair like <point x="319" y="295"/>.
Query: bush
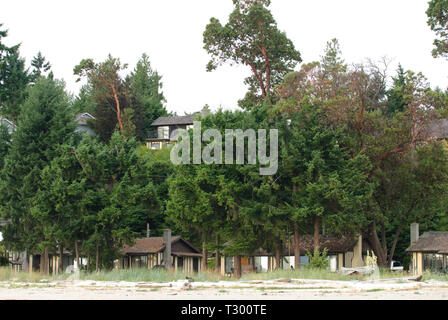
<point x="211" y="263"/>
<point x="318" y="260"/>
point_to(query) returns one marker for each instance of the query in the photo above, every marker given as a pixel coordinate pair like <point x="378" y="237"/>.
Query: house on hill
<point x="164" y="131"/>
<point x="148" y="253"/>
<point x="82" y="122"/>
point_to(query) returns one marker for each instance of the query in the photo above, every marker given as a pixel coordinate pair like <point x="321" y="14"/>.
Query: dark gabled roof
<point x="154" y="245"/>
<point x="147" y="245"/>
<point x="334" y="243"/>
<point x="437" y="129"/>
<point x="171" y="121"/>
<point x="431" y="242"/>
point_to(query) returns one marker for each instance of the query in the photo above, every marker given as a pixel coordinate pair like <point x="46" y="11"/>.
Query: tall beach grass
<point x="162" y="276"/>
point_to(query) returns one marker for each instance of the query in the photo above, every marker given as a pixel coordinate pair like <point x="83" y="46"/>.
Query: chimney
<point x="148" y="231"/>
<point x="414" y="232"/>
<point x="167" y="252"/>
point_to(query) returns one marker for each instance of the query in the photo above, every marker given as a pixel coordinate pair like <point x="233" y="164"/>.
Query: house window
<point x="163" y="132"/>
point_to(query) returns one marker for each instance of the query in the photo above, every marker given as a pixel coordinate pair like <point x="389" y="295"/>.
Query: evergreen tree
<point x="84" y="101"/>
<point x="40" y="67"/>
<point x="395" y="95"/>
<point x="5" y="142"/>
<point x="14" y="79"/>
<point x="147" y="99"/>
<point x="43" y="126"/>
<point x="96" y="197"/>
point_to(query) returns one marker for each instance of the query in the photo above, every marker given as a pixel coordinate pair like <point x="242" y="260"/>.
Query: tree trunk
<point x="117" y="102"/>
<point x="217" y="256"/>
<point x="376" y="245"/>
<point x="204" y="257"/>
<point x="97" y="259"/>
<point x="278" y="255"/>
<point x="77" y="254"/>
<point x="316" y="232"/>
<point x="296" y="246"/>
<point x="237" y="266"/>
<point x="44" y="262"/>
<point x="41" y="264"/>
<point x="394" y="245"/>
<point x="61" y="258"/>
<point x="88" y="261"/>
<point x="46" y="259"/>
<point x="383" y="238"/>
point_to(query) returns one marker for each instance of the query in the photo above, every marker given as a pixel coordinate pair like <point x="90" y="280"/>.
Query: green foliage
<point x="40" y="67"/>
<point x="84" y="101"/>
<point x="251" y="38"/>
<point x="437" y="13"/>
<point x="147" y="99"/>
<point x="14" y="79"/>
<point x="43" y="125"/>
<point x="318" y="260"/>
<point x="5" y="142"/>
<point x="322" y="177"/>
<point x="395" y="95"/>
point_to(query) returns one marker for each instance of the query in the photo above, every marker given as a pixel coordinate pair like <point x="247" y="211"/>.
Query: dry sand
<point x="282" y="289"/>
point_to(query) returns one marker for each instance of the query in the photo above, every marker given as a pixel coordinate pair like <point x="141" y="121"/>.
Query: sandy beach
<point x="281" y="289"/>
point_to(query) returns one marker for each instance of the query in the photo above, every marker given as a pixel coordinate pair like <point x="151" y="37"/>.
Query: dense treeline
<point x="354" y="156"/>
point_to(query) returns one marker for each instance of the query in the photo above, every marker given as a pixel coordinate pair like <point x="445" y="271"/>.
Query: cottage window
<point x="433" y="262"/>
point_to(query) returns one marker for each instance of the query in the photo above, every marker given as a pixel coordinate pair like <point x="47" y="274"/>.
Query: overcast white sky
<point x="170" y="32"/>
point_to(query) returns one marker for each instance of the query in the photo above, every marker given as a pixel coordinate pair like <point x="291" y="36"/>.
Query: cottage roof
<point x="170" y="121"/>
<point x="155" y="245"/>
<point x="334" y="243"/>
<point x="431" y="242"/>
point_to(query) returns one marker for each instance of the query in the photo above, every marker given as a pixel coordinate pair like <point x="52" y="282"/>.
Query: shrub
<point x="318" y="260"/>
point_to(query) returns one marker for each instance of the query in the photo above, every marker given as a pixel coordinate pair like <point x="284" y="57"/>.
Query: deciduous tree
<point x="251" y="38"/>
